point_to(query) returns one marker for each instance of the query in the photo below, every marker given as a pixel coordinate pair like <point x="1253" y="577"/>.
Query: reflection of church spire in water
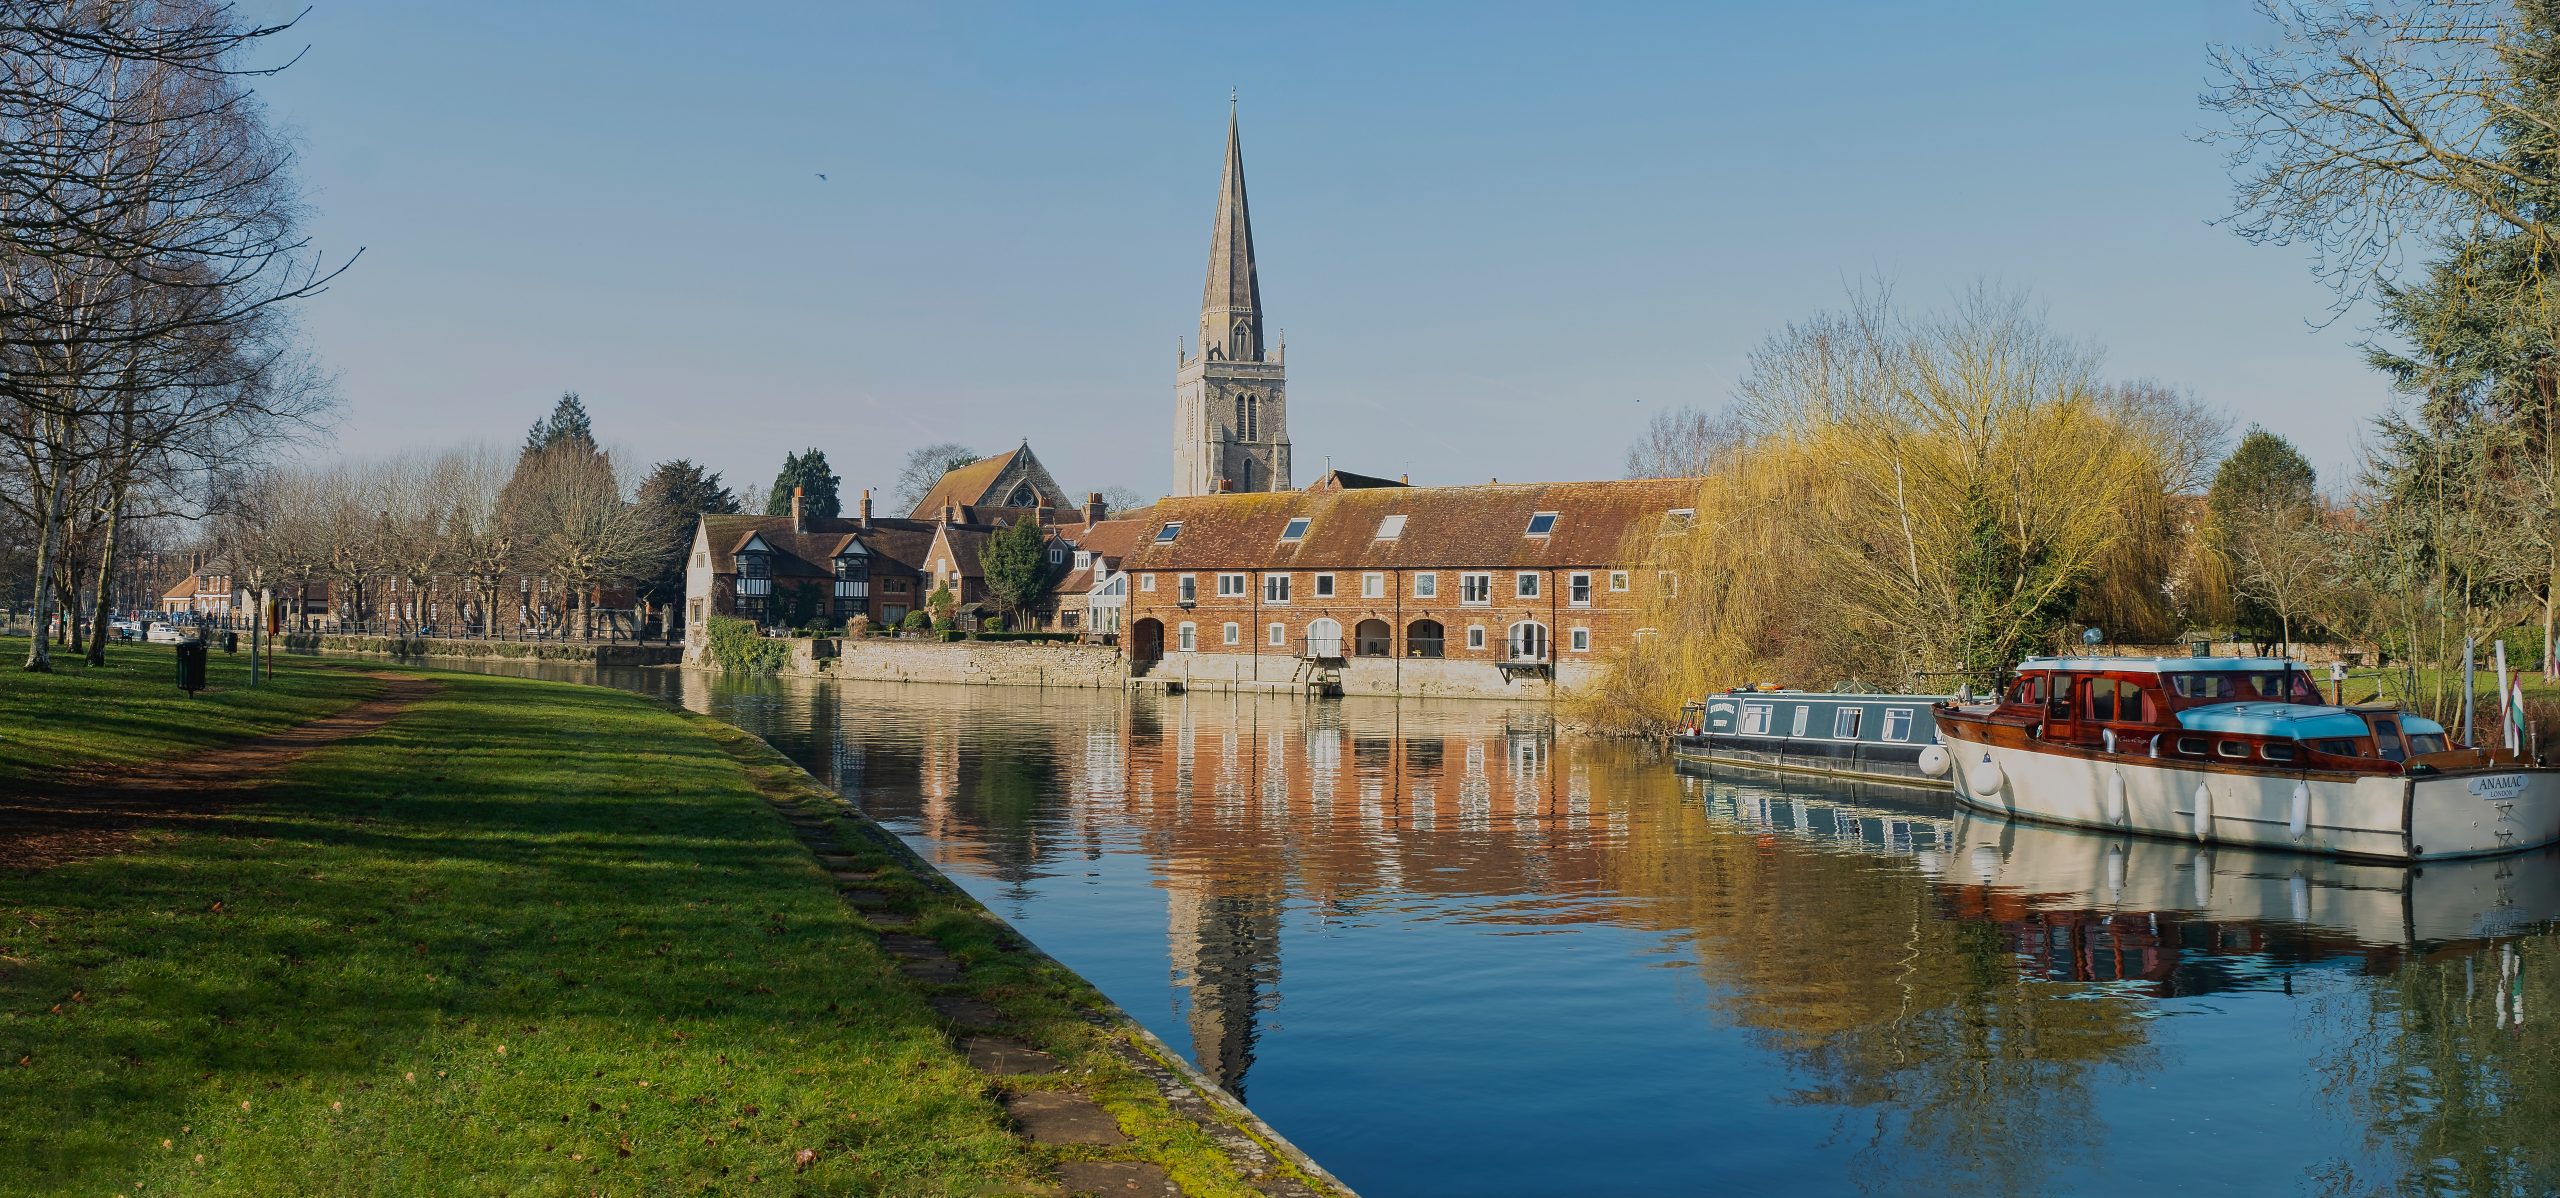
<point x="1226" y="952"/>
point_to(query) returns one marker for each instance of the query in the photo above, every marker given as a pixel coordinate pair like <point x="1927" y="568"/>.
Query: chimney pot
<point x="866" y="509"/>
<point x="799" y="522"/>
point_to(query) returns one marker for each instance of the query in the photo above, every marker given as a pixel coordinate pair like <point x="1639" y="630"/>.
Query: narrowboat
<point x="2239" y="751"/>
<point x="1878" y="738"/>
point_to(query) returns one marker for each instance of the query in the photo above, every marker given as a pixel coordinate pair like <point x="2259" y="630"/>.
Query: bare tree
<point x="1685" y="443"/>
<point x="925" y="466"/>
<point x="571" y="517"/>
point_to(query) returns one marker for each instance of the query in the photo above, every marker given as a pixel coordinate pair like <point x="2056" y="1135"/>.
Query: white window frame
<point x="1278" y="635"/>
<point x="1524" y="584"/>
<point x="1373" y="585"/>
<point x="1480" y="584"/>
<point x="1231" y="634"/>
<point x="1580" y="638"/>
<point x="1295" y="530"/>
<point x="1426" y="585"/>
<point x="1804" y="719"/>
<point x="1084" y="559"/>
<point x="1475" y="636"/>
<point x="1166" y="534"/>
<point x="1577" y="588"/>
<point x="1187" y="588"/>
<point x="1755" y="719"/>
<point x="1187" y="637"/>
<point x="1324" y="586"/>
<point x="1275" y="588"/>
<point x="1618" y="581"/>
<point x="1848" y="722"/>
<point x="1532" y="529"/>
<point x="1390" y="527"/>
<point x="1897" y="725"/>
<point x="1234" y="586"/>
<point x="1147" y="583"/>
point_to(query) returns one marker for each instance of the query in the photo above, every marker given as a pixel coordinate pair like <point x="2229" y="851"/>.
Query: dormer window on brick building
<point x="1542" y="524"/>
<point x="1296" y="531"/>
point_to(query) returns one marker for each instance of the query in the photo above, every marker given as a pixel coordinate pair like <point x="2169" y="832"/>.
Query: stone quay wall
<point x="977" y="663"/>
<point x="603" y="654"/>
<point x="1435" y="678"/>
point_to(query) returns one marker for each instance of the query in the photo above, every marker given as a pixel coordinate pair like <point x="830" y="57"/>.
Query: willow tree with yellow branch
<point x="1922" y="502"/>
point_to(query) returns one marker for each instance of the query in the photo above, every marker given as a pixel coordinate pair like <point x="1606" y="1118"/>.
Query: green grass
<point x="131" y="710"/>
<point x="528" y="938"/>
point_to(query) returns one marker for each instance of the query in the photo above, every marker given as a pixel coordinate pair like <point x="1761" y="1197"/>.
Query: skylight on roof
<point x="1390" y="528"/>
<point x="1172" y="529"/>
<point x="1678" y="519"/>
<point x="1541" y="524"/>
<point x="1297" y="529"/>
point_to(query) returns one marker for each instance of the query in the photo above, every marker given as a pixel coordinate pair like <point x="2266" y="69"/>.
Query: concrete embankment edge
<point x="1226" y="1105"/>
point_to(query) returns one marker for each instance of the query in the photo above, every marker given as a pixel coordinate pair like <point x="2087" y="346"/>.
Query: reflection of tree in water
<point x="1952" y="1071"/>
<point x="2452" y="1065"/>
<point x="1005" y="787"/>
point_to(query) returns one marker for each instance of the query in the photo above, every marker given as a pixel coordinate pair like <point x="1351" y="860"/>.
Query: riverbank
<point x="602" y="653"/>
<point x="525" y="936"/>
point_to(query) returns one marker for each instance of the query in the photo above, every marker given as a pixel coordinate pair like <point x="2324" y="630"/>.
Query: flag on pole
<point x="2516" y="738"/>
<point x="2506" y="722"/>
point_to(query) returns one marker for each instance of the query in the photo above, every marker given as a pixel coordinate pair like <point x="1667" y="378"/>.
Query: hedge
<point x="737" y="647"/>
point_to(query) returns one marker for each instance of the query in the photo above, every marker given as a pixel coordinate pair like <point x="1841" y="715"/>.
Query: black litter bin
<point x="230" y="642"/>
<point x="191" y="659"/>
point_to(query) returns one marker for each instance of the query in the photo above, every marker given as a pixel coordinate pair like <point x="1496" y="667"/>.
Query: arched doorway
<point x="1528" y="641"/>
<point x="1146" y="642"/>
<point x="1422" y="638"/>
<point x="1373" y="638"/>
<point x="1324" y="638"/>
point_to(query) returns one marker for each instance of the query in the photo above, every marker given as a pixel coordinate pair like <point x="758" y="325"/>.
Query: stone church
<point x="1231" y="413"/>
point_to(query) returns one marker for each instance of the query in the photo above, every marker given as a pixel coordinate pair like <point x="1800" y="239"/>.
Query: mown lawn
<point x="529" y="939"/>
<point x="131" y="710"/>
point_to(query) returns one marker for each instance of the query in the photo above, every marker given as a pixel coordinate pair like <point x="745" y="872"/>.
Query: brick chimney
<point x="1093" y="508"/>
<point x="866" y="509"/>
<point x="799" y="521"/>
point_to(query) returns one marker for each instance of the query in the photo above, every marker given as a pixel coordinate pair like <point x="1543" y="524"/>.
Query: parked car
<point x="163" y="634"/>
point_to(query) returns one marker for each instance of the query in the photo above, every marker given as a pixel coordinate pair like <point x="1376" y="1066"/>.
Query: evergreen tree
<point x="567" y="425"/>
<point x="1016" y="562"/>
<point x="678" y="494"/>
<point x="2265" y="486"/>
<point x="807" y="471"/>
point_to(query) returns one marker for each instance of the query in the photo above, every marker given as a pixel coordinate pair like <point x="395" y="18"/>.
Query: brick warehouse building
<point x="1488" y="591"/>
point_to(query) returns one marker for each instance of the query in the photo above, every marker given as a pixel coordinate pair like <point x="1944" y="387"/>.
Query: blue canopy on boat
<point x="2301" y="721"/>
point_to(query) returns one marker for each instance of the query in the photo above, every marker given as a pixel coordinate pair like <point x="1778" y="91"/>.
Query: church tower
<point x="1231" y="419"/>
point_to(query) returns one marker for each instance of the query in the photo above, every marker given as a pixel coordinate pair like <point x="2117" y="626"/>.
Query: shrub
<point x="738" y="647"/>
<point x="917" y="620"/>
<point x="858" y="626"/>
<point x="953" y="634"/>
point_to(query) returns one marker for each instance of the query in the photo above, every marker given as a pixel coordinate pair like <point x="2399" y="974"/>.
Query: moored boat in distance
<point x="2238" y="750"/>
<point x="1877" y="738"/>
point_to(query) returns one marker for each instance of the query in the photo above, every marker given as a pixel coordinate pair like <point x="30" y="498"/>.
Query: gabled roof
<point x="1344" y="480"/>
<point x="1112" y="539"/>
<point x="973" y="488"/>
<point x="895" y="544"/>
<point x="185" y="589"/>
<point x="1444" y="527"/>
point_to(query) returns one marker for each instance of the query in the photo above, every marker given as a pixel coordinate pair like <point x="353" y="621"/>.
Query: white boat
<point x="2238" y="751"/>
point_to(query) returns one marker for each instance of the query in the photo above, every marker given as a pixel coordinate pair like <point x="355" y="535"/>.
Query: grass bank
<point x="527" y="939"/>
<point x="131" y="711"/>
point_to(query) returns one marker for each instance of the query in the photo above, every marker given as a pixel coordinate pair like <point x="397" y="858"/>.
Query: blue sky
<point x="1497" y="236"/>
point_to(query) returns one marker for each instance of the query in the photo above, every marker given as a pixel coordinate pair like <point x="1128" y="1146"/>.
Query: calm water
<point x="1451" y="954"/>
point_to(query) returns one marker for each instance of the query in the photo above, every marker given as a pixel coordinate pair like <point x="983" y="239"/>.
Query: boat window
<point x="1897" y="724"/>
<point x="2059" y="706"/>
<point x="2102" y="699"/>
<point x="2426" y="742"/>
<point x="2386" y="737"/>
<point x="2203" y="686"/>
<point x="1804" y="716"/>
<point x="2276" y="752"/>
<point x="1845" y="725"/>
<point x="2335" y="746"/>
<point x="1755" y="719"/>
<point x="2028" y="690"/>
<point x="2192" y="746"/>
<point x="2232" y="748"/>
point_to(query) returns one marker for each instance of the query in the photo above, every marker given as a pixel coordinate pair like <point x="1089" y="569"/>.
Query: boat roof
<point x="2160" y="665"/>
<point x="2300" y="721"/>
<point x="1858" y="696"/>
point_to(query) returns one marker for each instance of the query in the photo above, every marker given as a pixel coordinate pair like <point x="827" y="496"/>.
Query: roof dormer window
<point x="1084" y="559"/>
<point x="1296" y="531"/>
<point x="1541" y="524"/>
<point x="1678" y="519"/>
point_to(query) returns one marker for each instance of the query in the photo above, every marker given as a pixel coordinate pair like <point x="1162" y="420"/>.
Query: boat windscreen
<point x="2283" y="686"/>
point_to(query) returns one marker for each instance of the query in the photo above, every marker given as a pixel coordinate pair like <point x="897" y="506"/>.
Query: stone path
<point x="1022" y="1077"/>
<point x="49" y="822"/>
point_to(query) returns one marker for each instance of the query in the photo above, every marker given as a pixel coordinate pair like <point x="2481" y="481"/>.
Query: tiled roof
<point x="1112" y="538"/>
<point x="811" y="554"/>
<point x="1444" y="527"/>
<point x="186" y="589"/>
<point x="966" y="486"/>
<point x="1344" y="480"/>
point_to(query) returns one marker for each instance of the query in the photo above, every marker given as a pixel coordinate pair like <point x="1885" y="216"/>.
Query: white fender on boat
<point x="1985" y="777"/>
<point x="1986" y="863"/>
<point x="2115" y="873"/>
<point x="2298" y="889"/>
<point x="2301" y="821"/>
<point x="1934" y="761"/>
<point x="2204" y="812"/>
<point x="2203" y="869"/>
<point x="2115" y="798"/>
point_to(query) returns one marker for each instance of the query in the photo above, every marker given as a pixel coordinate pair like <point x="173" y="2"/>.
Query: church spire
<point x="1231" y="304"/>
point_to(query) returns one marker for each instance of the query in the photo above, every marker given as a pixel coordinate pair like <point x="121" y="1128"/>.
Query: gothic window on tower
<point x="1253" y="418"/>
<point x="1240" y="435"/>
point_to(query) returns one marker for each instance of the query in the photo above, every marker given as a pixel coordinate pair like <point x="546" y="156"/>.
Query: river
<point x="1450" y="953"/>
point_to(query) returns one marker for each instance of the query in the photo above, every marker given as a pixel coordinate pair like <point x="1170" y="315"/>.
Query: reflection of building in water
<point x="1225" y="937"/>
